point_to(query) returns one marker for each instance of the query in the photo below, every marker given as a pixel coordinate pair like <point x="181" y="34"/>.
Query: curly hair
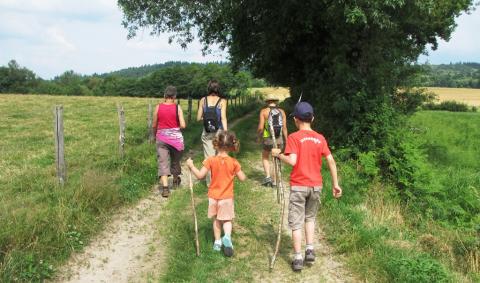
<point x="226" y="140"/>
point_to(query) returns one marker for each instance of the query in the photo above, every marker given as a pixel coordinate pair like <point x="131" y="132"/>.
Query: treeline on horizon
<point x="458" y="75"/>
<point x="146" y="81"/>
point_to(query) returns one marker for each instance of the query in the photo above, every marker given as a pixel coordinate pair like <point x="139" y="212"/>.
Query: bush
<point x="452" y="106"/>
<point x="415" y="269"/>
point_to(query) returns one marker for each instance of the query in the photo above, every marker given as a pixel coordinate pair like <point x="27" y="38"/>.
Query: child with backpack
<point x="304" y="151"/>
<point x="271" y="116"/>
<point x="220" y="192"/>
<point x="212" y="110"/>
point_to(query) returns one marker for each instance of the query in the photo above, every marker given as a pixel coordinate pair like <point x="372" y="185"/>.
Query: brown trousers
<point x="168" y="160"/>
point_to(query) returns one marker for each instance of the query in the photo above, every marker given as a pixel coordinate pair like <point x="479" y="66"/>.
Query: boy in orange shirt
<point x="223" y="170"/>
<point x="304" y="151"/>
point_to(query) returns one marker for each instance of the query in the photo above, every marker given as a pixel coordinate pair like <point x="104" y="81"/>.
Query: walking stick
<point x="275" y="160"/>
<point x="280" y="198"/>
<point x="197" y="244"/>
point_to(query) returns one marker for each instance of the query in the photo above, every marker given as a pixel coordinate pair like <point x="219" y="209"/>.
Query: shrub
<point x="452" y="106"/>
<point x="415" y="269"/>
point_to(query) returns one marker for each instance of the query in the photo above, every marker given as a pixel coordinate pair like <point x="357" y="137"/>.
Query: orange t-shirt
<point x="223" y="170"/>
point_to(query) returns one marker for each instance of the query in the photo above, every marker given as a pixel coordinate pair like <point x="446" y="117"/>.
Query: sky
<point x="52" y="36"/>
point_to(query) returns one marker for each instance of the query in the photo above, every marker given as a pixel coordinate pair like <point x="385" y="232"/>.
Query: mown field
<point x="41" y="222"/>
<point x="468" y="96"/>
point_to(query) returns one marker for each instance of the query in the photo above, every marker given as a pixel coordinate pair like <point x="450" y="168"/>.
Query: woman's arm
<point x="224" y="114"/>
<point x="200" y="109"/>
<point x="261" y="123"/>
<point x="181" y="119"/>
<point x="284" y="127"/>
<point x="155" y="120"/>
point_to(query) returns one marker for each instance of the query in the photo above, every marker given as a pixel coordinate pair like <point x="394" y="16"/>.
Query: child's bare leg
<point x="297" y="240"/>
<point x="266" y="162"/>
<point x="227" y="227"/>
<point x="309" y="232"/>
<point x="217" y="229"/>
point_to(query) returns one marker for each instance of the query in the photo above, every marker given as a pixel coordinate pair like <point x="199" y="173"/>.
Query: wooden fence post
<point x="150" y="123"/>
<point x="189" y="109"/>
<point x="121" y="138"/>
<point x="59" y="145"/>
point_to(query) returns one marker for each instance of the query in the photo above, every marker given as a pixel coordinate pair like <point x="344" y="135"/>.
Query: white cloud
<point x="464" y="44"/>
<point x="52" y="36"/>
<point x="57" y="37"/>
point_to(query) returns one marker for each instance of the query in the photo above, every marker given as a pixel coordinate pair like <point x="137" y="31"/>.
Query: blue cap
<point x="303" y="110"/>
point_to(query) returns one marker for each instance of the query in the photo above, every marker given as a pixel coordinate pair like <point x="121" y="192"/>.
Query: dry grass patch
<point x="465" y="95"/>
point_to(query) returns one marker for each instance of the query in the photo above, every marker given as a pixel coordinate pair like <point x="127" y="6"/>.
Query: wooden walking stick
<point x="197" y="244"/>
<point x="275" y="160"/>
<point x="280" y="197"/>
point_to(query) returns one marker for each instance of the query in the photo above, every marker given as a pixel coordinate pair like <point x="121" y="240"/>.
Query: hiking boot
<point x="309" y="255"/>
<point x="297" y="264"/>
<point x="267" y="181"/>
<point x="165" y="192"/>
<point x="227" y="246"/>
<point x="176" y="181"/>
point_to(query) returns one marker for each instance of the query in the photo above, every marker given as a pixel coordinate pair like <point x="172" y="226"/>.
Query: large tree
<point x="348" y="57"/>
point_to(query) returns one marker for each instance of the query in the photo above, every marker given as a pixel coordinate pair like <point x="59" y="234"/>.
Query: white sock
<point x="298" y="256"/>
<point x="218" y="242"/>
<point x="309" y="247"/>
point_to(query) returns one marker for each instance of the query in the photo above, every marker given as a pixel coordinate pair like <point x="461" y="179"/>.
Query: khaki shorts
<point x="268" y="143"/>
<point x="303" y="206"/>
<point x="221" y="208"/>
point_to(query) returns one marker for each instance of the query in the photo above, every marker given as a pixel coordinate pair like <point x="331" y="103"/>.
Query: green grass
<point x="42" y="223"/>
<point x="386" y="240"/>
<point x="381" y="238"/>
<point x="370" y="226"/>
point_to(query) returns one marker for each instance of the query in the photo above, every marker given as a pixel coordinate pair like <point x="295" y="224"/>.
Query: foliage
<point x="14" y="78"/>
<point x="189" y="78"/>
<point x="463" y="75"/>
<point x="348" y="58"/>
<point x="452" y="106"/>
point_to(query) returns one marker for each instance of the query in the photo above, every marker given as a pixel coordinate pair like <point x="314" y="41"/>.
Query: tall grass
<point x="41" y="223"/>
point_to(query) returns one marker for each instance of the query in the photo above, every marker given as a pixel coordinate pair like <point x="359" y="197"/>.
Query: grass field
<point x="382" y="241"/>
<point x="468" y="96"/>
<point x="42" y="223"/>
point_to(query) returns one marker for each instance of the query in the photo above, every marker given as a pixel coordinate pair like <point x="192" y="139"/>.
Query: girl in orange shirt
<point x="223" y="170"/>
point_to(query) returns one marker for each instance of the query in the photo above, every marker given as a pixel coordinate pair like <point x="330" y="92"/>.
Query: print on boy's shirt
<point x="315" y="140"/>
<point x="310" y="147"/>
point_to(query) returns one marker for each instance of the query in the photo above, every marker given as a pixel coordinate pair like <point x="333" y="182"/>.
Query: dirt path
<point x="328" y="266"/>
<point x="128" y="250"/>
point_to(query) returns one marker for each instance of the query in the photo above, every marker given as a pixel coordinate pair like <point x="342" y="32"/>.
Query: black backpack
<point x="275" y="119"/>
<point x="210" y="118"/>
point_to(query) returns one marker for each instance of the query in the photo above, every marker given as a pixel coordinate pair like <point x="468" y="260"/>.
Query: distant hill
<point x="465" y="75"/>
<point x="137" y="72"/>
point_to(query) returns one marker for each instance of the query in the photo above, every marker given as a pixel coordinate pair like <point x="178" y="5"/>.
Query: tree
<point x="349" y="57"/>
<point x="16" y="79"/>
